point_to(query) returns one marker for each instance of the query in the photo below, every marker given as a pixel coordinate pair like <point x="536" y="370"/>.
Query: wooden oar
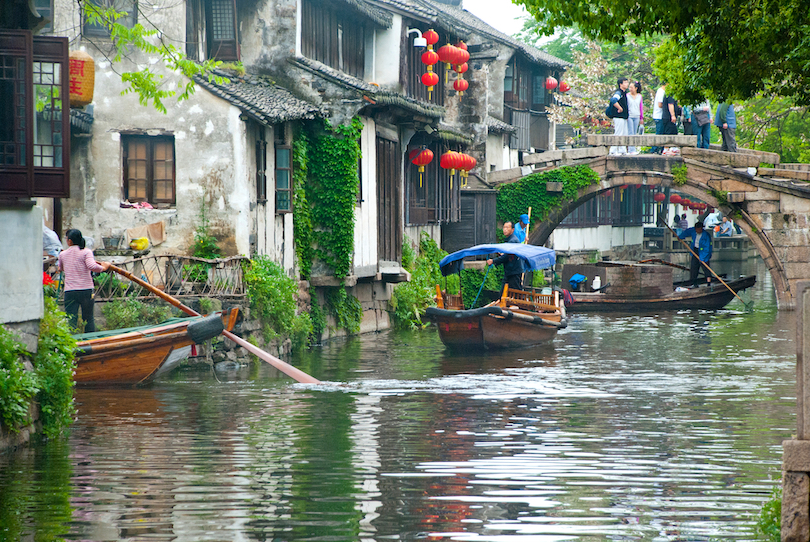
<point x="748" y="305"/>
<point x="664" y="262"/>
<point x="285" y="368"/>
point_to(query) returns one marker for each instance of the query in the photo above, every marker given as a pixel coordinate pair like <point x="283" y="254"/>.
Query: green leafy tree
<point x="147" y="81"/>
<point x="731" y="48"/>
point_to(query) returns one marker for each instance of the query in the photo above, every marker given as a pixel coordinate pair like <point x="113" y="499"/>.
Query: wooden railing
<point x="180" y="276"/>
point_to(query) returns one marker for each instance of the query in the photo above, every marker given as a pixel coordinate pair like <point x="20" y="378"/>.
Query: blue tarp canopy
<point x="532" y="256"/>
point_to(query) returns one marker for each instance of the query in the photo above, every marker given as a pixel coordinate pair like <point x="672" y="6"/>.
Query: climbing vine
<point x="721" y="196"/>
<point x="302" y="213"/>
<point x="344" y="308"/>
<point x="332" y="188"/>
<point x="515" y="198"/>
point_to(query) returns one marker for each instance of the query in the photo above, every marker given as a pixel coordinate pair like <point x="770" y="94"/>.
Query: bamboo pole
<point x="285" y="368"/>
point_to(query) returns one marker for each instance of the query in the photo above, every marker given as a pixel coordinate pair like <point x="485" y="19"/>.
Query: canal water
<point x="627" y="427"/>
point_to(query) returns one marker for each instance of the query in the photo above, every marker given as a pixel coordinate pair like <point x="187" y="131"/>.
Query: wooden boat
<point x="711" y="297"/>
<point x="137" y="355"/>
<point x="648" y="286"/>
<point x="518" y="319"/>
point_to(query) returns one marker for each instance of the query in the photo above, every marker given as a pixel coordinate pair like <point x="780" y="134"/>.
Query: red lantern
<point x="659" y="197"/>
<point x="430" y="79"/>
<point x="431" y="36"/>
<point x="675" y="198"/>
<point x="447" y="54"/>
<point x="624" y="186"/>
<point x="429" y="58"/>
<point x="421" y="158"/>
<point x="461" y="68"/>
<point x="564" y="87"/>
<point x="450" y="160"/>
<point x="551" y="83"/>
<point x="462" y="55"/>
<point x="461" y="85"/>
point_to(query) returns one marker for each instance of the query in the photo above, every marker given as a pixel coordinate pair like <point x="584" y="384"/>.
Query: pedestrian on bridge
<point x="727" y="122"/>
<point x="658" y="114"/>
<point x="702" y="247"/>
<point x="635" y="112"/>
<point x="618" y="112"/>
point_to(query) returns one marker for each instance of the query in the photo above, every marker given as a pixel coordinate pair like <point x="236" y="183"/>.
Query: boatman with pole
<point x="702" y="248"/>
<point x="512" y="267"/>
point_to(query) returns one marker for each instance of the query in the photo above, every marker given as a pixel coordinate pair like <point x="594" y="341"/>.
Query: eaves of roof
<point x="333" y="75"/>
<point x="406" y="102"/>
<point x="380" y="16"/>
<point x="258" y="97"/>
<point x="497" y="125"/>
<point x="409" y="7"/>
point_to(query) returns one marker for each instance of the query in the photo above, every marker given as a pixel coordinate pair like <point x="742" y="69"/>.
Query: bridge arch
<point x="695" y="186"/>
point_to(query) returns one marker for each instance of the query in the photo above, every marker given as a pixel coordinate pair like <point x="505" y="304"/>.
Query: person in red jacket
<point x="77" y="262"/>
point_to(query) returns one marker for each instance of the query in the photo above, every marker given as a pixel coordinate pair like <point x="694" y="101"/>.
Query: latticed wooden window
<point x="334" y="36"/>
<point x="222" y="42"/>
<point x="127" y="8"/>
<point x="149" y="169"/>
<point x="283" y="178"/>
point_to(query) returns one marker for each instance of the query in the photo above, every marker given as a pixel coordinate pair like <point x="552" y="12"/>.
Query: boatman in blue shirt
<point x="702" y="246"/>
<point x="520" y="228"/>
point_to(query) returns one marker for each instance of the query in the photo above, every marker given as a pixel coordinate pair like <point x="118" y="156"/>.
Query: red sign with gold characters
<point x="82" y="78"/>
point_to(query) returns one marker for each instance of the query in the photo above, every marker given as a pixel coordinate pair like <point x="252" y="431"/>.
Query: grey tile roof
<point x="81" y="121"/>
<point x="411" y="7"/>
<point x="449" y="16"/>
<point x="336" y="76"/>
<point x="497" y="125"/>
<point x="260" y="98"/>
<point x="379" y="16"/>
<point x="379" y="96"/>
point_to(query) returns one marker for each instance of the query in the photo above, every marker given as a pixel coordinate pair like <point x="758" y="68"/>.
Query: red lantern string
<point x="675" y="198"/>
<point x="429" y="58"/>
<point x="461" y="85"/>
<point x="659" y="197"/>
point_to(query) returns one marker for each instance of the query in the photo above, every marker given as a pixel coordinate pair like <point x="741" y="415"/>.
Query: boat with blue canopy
<point x="520" y="318"/>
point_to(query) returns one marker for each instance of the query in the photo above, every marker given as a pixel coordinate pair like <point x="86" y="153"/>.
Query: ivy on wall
<point x="514" y="199"/>
<point x="326" y="186"/>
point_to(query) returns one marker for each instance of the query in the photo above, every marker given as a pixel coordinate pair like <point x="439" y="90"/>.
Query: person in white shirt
<point x="658" y="114"/>
<point x="635" y="110"/>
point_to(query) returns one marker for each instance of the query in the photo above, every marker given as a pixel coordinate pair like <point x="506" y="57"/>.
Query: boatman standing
<point x="512" y="268"/>
<point x="702" y="246"/>
<point x="520" y="227"/>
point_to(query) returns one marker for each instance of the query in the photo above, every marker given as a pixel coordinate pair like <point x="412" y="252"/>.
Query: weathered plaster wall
<point x="20" y="265"/>
<point x="365" y="229"/>
<point x="387" y="57"/>
<point x="211" y="151"/>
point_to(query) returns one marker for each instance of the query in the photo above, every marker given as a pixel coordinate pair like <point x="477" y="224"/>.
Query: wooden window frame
<point x="435" y="202"/>
<point x="261" y="166"/>
<point x="21" y="177"/>
<point x="225" y="49"/>
<point x="150" y="180"/>
<point x="281" y="145"/>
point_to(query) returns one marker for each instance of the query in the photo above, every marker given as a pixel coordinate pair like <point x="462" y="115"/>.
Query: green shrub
<point x="51" y="383"/>
<point x="410" y="299"/>
<point x="769" y="525"/>
<point x="273" y="298"/>
<point x="17" y="386"/>
<point x="471" y="280"/>
<point x="54" y="366"/>
<point x="130" y="312"/>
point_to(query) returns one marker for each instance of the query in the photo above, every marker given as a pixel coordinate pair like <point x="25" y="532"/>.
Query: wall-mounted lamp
<point x="417" y="42"/>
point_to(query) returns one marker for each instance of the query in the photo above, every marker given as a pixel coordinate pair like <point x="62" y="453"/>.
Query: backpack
<point x="610" y="111"/>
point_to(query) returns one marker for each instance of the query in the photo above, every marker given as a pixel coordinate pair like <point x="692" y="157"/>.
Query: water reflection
<point x="629" y="427"/>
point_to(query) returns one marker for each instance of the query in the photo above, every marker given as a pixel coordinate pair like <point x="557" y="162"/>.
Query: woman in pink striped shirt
<point x="78" y="262"/>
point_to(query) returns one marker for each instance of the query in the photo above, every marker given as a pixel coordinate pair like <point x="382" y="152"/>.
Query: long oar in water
<point x="749" y="305"/>
<point x="285" y="368"/>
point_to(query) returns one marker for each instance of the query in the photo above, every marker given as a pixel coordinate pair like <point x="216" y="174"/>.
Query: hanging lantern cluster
<point x="421" y="157"/>
<point x="454" y="57"/>
<point x="453" y="161"/>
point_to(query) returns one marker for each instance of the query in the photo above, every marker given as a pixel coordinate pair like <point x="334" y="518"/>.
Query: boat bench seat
<point x="530" y="300"/>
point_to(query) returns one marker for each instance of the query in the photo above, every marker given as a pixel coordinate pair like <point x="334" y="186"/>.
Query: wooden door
<point x="389" y="187"/>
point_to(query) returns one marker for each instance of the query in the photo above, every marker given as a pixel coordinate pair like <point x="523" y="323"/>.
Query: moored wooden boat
<point x="711" y="297"/>
<point x="134" y="356"/>
<point x="518" y="319"/>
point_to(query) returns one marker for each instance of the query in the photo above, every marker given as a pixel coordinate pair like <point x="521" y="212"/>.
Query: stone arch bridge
<point x="770" y="203"/>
